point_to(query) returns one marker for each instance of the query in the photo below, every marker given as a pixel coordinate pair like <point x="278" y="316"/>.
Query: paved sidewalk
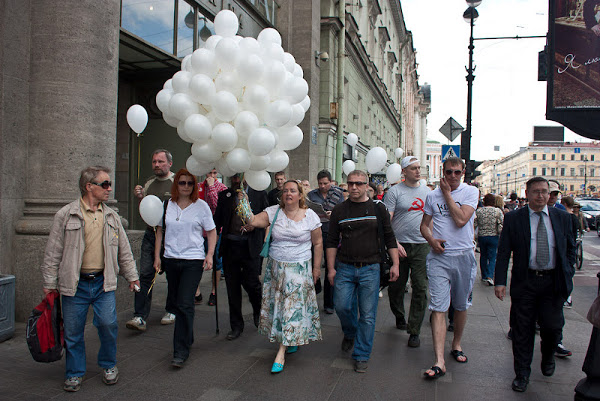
<point x="240" y="370"/>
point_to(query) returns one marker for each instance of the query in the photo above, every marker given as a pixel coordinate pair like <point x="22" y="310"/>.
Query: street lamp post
<point x="470" y="15"/>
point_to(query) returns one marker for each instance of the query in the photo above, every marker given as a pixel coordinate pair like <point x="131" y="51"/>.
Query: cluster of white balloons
<point x="239" y="102"/>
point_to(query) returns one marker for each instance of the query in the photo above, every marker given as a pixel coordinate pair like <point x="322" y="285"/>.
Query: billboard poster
<point x="575" y="55"/>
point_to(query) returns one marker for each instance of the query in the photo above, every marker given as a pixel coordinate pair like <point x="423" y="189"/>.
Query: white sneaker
<point x="380" y="294"/>
<point x="137" y="323"/>
<point x="168" y="318"/>
<point x="110" y="376"/>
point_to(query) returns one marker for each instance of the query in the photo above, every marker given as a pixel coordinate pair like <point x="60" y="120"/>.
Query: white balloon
<point x="305" y="103"/>
<point x="279" y="161"/>
<point x="225" y="106"/>
<point x="394" y="173"/>
<point x="352" y="139"/>
<point x="181" y="81"/>
<point x="182" y="134"/>
<point x="226" y="23"/>
<point x="251" y="69"/>
<point x="289" y="62"/>
<point x="348" y="167"/>
<point x="228" y="81"/>
<point x="376" y="159"/>
<point x="206" y="152"/>
<point x="212" y="41"/>
<point x="258" y="180"/>
<point x="224" y="137"/>
<point x="274" y="76"/>
<point x="137" y="118"/>
<point x="398" y="153"/>
<point x="278" y="113"/>
<point x="238" y="160"/>
<point x="181" y="106"/>
<point x="223" y="168"/>
<point x="163" y="97"/>
<point x="294" y="89"/>
<point x="227" y="54"/>
<point x="198" y="168"/>
<point x="297" y="115"/>
<point x="151" y="210"/>
<point x="168" y="84"/>
<point x="198" y="128"/>
<point x="249" y="45"/>
<point x="170" y="120"/>
<point x="203" y="62"/>
<point x="269" y="35"/>
<point x="298" y="71"/>
<point x="186" y="63"/>
<point x="261" y="142"/>
<point x="256" y="98"/>
<point x="272" y="52"/>
<point x="289" y="138"/>
<point x="202" y="89"/>
<point x="258" y="163"/>
<point x="245" y="122"/>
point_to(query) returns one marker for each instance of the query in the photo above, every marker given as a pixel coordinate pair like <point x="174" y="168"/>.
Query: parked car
<point x="591" y="210"/>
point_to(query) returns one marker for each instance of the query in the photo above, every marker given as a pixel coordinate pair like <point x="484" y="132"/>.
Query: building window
<point x="572" y="157"/>
<point x="544" y="170"/>
<point x="553" y="156"/>
<point x="581" y="172"/>
<point x="592" y="157"/>
<point x="562" y="157"/>
<point x="562" y="171"/>
<point x="544" y="156"/>
<point x="572" y="172"/>
<point x="534" y="172"/>
<point x="591" y="172"/>
<point x="581" y="157"/>
<point x="572" y="187"/>
<point x="552" y="171"/>
<point x="534" y="156"/>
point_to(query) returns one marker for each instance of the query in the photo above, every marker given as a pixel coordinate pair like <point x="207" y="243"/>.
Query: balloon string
<point x="138" y="158"/>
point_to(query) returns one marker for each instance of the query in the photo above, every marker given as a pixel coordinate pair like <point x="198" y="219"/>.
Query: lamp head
<point x="474" y="3"/>
<point x="470" y="14"/>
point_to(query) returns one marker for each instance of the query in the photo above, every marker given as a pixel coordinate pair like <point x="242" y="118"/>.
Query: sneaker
<point x="177" y="362"/>
<point x="361" y="366"/>
<point x="110" y="376"/>
<point x="380" y="294"/>
<point x="329" y="311"/>
<point x="212" y="300"/>
<point x="568" y="303"/>
<point x="73" y="384"/>
<point x="137" y="323"/>
<point x="168" y="318"/>
<point x="562" y="352"/>
<point x="197" y="299"/>
<point x="347" y="344"/>
<point x="414" y="341"/>
<point x="490" y="282"/>
<point x="400" y="323"/>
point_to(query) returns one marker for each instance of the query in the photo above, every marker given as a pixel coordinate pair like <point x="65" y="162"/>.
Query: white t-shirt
<point x="291" y="240"/>
<point x="407" y="205"/>
<point x="457" y="239"/>
<point x="183" y="238"/>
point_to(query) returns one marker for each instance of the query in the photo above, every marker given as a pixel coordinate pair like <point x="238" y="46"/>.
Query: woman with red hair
<point x="183" y="257"/>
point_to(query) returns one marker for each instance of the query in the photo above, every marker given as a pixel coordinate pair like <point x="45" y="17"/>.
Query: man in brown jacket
<point x="87" y="248"/>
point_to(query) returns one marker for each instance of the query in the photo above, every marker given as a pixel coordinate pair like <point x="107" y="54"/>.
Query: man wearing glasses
<point x="354" y="227"/>
<point x="447" y="226"/>
<point x="160" y="186"/>
<point x="87" y="248"/>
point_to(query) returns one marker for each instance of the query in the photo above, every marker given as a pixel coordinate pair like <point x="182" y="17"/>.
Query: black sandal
<point x="438" y="372"/>
<point x="457" y="354"/>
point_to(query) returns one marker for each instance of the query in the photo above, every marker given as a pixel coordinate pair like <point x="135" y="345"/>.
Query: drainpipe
<point x="339" y="147"/>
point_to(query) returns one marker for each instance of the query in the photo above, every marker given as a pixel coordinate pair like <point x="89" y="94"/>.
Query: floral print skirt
<point x="289" y="313"/>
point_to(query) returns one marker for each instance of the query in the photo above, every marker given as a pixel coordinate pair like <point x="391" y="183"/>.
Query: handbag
<point x="385" y="264"/>
<point x="265" y="249"/>
<point x="593" y="315"/>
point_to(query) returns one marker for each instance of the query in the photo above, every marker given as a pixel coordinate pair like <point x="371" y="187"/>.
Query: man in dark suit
<point x="541" y="242"/>
<point x="240" y="250"/>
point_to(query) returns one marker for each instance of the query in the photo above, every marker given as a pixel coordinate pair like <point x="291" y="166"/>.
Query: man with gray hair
<point x="87" y="248"/>
<point x="160" y="186"/>
<point x="405" y="201"/>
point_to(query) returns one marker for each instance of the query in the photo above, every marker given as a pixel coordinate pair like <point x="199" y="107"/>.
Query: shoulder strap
<point x="165" y="205"/>
<point x="271" y="228"/>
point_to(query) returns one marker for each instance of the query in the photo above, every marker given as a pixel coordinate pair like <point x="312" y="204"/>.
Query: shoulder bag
<point x="265" y="249"/>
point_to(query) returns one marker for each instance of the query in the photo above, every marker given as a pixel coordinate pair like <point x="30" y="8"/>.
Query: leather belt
<point x="90" y="276"/>
<point x="361" y="264"/>
<point x="541" y="272"/>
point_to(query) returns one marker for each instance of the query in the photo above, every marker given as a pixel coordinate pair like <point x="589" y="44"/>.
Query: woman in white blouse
<point x="289" y="313"/>
<point x="183" y="257"/>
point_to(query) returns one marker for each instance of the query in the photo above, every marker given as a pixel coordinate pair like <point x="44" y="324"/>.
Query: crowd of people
<point x="364" y="235"/>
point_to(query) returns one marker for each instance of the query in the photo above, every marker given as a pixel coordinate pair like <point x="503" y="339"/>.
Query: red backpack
<point x="45" y="330"/>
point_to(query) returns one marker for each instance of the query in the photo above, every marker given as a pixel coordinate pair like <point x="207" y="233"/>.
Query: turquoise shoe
<point x="277" y="367"/>
<point x="291" y="349"/>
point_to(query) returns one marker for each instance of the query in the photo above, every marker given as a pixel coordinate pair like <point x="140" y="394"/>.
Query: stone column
<point x="73" y="83"/>
<point x="417" y="136"/>
<point x="423" y="145"/>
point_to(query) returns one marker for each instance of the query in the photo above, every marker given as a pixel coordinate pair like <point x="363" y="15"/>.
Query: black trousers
<point x="241" y="270"/>
<point x="540" y="302"/>
<point x="143" y="298"/>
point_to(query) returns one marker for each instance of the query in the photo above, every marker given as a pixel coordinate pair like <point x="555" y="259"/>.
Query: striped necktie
<point x="542" y="256"/>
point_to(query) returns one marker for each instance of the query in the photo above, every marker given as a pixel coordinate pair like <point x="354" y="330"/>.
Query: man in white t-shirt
<point x="447" y="226"/>
<point x="405" y="202"/>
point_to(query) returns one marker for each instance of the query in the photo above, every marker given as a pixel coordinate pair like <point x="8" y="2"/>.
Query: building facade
<point x="431" y="170"/>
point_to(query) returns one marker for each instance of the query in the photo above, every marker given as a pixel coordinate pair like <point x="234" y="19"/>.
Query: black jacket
<point x="226" y="204"/>
<point x="516" y="238"/>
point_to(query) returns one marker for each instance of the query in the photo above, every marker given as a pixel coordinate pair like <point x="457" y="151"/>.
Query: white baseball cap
<point x="408" y="160"/>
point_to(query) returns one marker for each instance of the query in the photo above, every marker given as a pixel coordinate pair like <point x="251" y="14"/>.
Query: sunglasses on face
<point x="356" y="183"/>
<point x="186" y="183"/>
<point x="104" y="184"/>
<point x="455" y="172"/>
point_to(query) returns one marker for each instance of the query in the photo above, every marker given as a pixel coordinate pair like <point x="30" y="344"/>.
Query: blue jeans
<point x="352" y="285"/>
<point x="488" y="247"/>
<point x="75" y="311"/>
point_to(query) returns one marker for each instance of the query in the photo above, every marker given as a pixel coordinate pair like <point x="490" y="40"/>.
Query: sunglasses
<point x="104" y="184"/>
<point x="357" y="183"/>
<point x="186" y="183"/>
<point x="455" y="172"/>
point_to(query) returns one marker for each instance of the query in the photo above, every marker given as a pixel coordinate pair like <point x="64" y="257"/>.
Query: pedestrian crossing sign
<point x="450" y="151"/>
